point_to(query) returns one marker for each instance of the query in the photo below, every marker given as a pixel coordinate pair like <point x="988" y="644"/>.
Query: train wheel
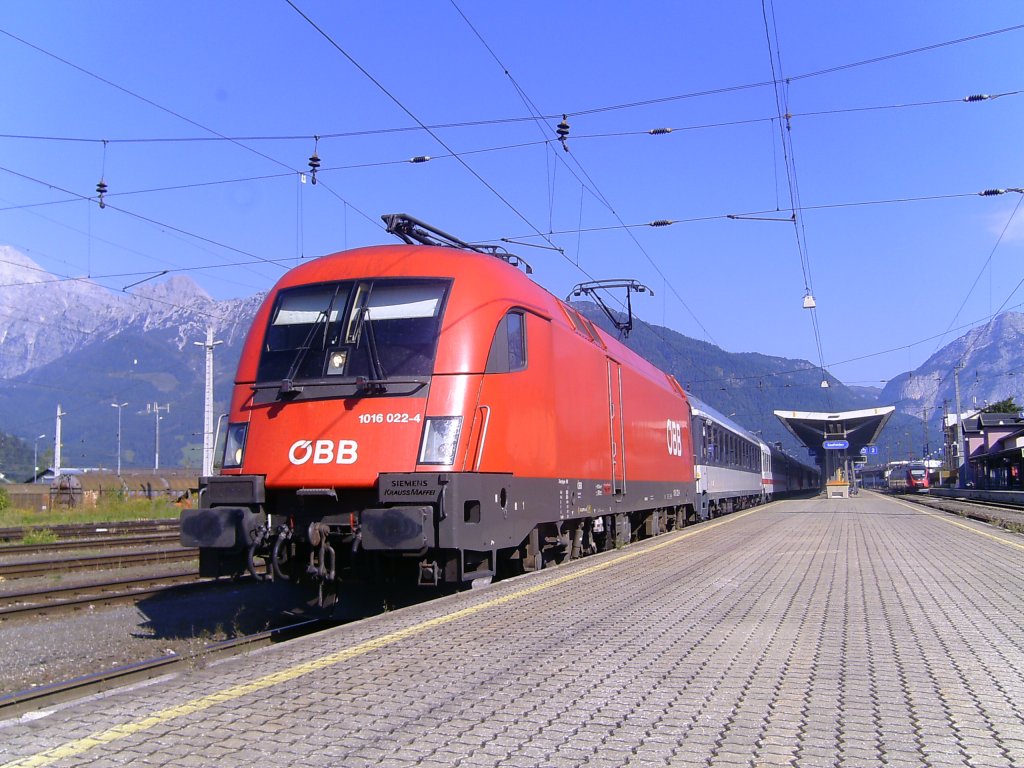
<point x="623" y="530"/>
<point x="512" y="562"/>
<point x="555" y="544"/>
<point x="605" y="539"/>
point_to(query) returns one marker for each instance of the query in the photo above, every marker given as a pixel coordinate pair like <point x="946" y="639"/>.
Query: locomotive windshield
<point x="372" y="329"/>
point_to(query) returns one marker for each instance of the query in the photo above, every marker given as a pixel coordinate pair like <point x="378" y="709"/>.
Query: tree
<point x="1003" y="406"/>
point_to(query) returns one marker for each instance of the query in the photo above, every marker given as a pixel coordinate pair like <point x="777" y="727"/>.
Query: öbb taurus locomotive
<point x="431" y="414"/>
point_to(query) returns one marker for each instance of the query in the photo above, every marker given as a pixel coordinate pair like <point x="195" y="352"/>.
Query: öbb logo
<point x="674" y="437"/>
<point x="323" y="452"/>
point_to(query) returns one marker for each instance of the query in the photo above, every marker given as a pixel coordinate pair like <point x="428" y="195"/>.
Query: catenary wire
<point x="407" y="111"/>
<point x="591" y="185"/>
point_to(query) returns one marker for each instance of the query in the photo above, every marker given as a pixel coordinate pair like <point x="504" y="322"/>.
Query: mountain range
<point x="72" y="344"/>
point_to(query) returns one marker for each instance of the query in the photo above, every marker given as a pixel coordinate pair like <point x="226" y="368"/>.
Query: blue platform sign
<point x="835" y="445"/>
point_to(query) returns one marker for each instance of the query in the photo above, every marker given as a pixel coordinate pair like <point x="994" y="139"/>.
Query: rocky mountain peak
<point x="49" y="316"/>
<point x="16" y="267"/>
<point x="988" y="361"/>
<point x="178" y="290"/>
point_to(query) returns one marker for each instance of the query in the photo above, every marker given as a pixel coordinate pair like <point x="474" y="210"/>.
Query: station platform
<point x="824" y="632"/>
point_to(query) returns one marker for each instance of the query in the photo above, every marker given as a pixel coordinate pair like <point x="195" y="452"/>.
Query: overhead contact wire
<point x="593" y="186"/>
<point x="419" y="122"/>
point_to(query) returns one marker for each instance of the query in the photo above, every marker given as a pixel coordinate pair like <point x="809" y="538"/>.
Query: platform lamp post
<point x="35" y="459"/>
<point x="155" y="408"/>
<point x="119" y="406"/>
<point x="208" y="433"/>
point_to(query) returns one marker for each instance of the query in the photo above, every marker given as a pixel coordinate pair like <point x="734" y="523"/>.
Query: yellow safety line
<point x="83" y="745"/>
<point x="946" y="519"/>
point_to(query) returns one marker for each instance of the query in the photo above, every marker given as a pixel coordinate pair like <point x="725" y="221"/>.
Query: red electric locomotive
<point x="430" y="412"/>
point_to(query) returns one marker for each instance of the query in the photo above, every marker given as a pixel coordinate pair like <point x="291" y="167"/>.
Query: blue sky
<point x="200" y="117"/>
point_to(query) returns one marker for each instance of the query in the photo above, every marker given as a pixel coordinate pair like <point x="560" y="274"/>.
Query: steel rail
<point x="87" y="543"/>
<point x="40" y="697"/>
<point x="57" y="599"/>
<point x="78" y="530"/>
<point x="95" y="562"/>
<point x="999" y="514"/>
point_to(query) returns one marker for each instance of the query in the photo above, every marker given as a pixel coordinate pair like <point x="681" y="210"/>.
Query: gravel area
<point x="52" y="648"/>
<point x="1004" y="517"/>
<point x="58" y="647"/>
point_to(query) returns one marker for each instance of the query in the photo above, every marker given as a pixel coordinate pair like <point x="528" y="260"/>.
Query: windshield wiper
<point x="379" y="377"/>
<point x="288" y="387"/>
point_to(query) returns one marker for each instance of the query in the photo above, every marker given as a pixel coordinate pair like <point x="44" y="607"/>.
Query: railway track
<point x="15" y="704"/>
<point x="27" y="569"/>
<point x="106" y="542"/>
<point x="35" y="602"/>
<point x="92" y="530"/>
<point x="1006" y="516"/>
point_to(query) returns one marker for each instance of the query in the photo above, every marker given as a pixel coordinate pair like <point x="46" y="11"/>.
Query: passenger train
<point x="735" y="469"/>
<point x="909" y="478"/>
<point x="428" y="414"/>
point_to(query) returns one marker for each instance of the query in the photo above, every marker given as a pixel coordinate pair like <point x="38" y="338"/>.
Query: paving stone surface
<point x="826" y="632"/>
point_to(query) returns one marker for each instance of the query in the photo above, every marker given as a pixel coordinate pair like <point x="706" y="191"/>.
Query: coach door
<point x="616" y="438"/>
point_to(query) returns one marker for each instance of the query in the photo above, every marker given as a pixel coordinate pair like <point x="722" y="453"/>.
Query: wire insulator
<point x="977" y="97"/>
<point x="661" y="223"/>
<point x="314" y="159"/>
<point x="660" y="131"/>
<point x="992" y="192"/>
<point x="101" y="190"/>
<point x="421" y="159"/>
<point x="314" y="164"/>
<point x="563" y="132"/>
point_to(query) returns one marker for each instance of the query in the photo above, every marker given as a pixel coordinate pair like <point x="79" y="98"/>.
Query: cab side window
<point x="508" y="349"/>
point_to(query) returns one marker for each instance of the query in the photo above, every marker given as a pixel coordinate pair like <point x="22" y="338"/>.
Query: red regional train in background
<point x="431" y="415"/>
<point x="909" y="478"/>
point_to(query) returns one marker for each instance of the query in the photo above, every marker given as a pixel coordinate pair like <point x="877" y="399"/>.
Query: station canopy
<point x="858" y="429"/>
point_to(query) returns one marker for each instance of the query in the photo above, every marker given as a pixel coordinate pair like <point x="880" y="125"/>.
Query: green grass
<point x="40" y="536"/>
<point x="108" y="511"/>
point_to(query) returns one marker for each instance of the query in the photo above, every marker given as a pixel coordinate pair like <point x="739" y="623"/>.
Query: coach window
<point x="508" y="349"/>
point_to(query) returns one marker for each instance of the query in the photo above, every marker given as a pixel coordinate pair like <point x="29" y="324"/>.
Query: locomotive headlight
<point x="440" y="439"/>
<point x="234" y="446"/>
